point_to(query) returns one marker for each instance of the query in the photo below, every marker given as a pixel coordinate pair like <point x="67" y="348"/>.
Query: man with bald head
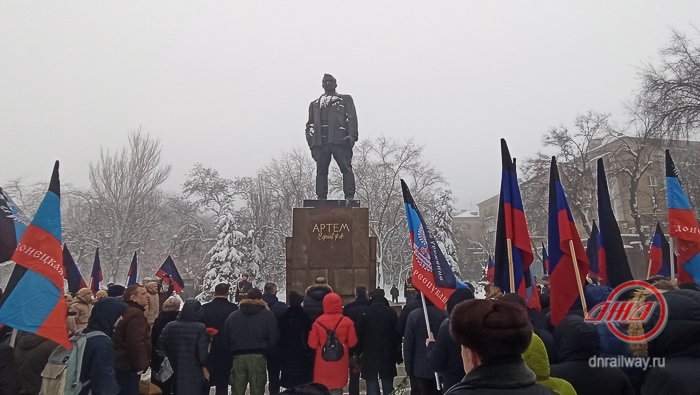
<point x="332" y="131"/>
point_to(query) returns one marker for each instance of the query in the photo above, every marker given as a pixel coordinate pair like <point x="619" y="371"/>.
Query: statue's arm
<point x="310" y="125"/>
<point x="352" y="117"/>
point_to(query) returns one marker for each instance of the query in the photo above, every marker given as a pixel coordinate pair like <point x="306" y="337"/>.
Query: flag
<point x="562" y="231"/>
<point x="489" y="270"/>
<point x="96" y="275"/>
<point x="13" y="223"/>
<point x="682" y="225"/>
<point x="132" y="275"/>
<point x="431" y="273"/>
<point x="75" y="279"/>
<point x="168" y="269"/>
<point x="545" y="261"/>
<point x="533" y="295"/>
<point x="612" y="258"/>
<point x="511" y="225"/>
<point x="659" y="255"/>
<point x="33" y="300"/>
<point x="592" y="251"/>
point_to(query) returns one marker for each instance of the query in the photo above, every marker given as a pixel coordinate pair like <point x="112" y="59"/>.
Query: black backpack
<point x="332" y="351"/>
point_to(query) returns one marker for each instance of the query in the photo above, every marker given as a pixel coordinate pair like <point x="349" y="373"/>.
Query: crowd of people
<point x="313" y="344"/>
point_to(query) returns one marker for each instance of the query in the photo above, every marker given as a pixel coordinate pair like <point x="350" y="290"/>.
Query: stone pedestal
<point x="331" y="241"/>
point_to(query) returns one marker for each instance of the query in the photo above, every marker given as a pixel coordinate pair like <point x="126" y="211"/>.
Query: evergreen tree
<point x="442" y="228"/>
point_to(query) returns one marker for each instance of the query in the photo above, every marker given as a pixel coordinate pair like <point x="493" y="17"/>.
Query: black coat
<point x="354" y="309"/>
<point x="32" y="352"/>
<point x="185" y="343"/>
<point x="377" y="340"/>
<point x="163" y="319"/>
<point x="414" y="349"/>
<point x="501" y="378"/>
<point x="220" y="359"/>
<point x="9" y="376"/>
<point x="407" y="309"/>
<point x="296" y="358"/>
<point x="678" y="344"/>
<point x="577" y="342"/>
<point x="276" y="307"/>
<point x="445" y="356"/>
<point x="313" y="301"/>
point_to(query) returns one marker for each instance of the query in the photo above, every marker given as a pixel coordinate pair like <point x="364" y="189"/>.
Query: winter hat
<point x="460" y="295"/>
<point x="295" y="299"/>
<point x="172" y="304"/>
<point x="255" y="294"/>
<point x="115" y="291"/>
<point x="491" y="328"/>
<point x="377" y="293"/>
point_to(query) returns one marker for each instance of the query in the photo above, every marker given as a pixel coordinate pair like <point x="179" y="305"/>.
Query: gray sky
<point x="228" y="83"/>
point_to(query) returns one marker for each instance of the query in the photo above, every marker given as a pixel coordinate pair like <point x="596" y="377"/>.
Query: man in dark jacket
<point x="249" y="333"/>
<point x="220" y="359"/>
<point x="313" y="301"/>
<point x="415" y="351"/>
<point x="353" y="310"/>
<point x="98" y="358"/>
<point x="273" y="360"/>
<point x="32" y="352"/>
<point x="185" y="343"/>
<point x="296" y="358"/>
<point x="132" y="341"/>
<point x="576" y="342"/>
<point x="493" y="334"/>
<point x="414" y="304"/>
<point x="378" y="343"/>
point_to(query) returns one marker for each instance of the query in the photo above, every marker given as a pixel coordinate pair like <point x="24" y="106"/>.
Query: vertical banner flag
<point x="659" y="254"/>
<point x="682" y="225"/>
<point x="75" y="279"/>
<point x="533" y="295"/>
<point x="562" y="230"/>
<point x="172" y="278"/>
<point x="511" y="232"/>
<point x="133" y="273"/>
<point x="96" y="275"/>
<point x="431" y="273"/>
<point x="592" y="251"/>
<point x="13" y="223"/>
<point x="33" y="300"/>
<point x="611" y="255"/>
<point x="489" y="269"/>
<point x="545" y="260"/>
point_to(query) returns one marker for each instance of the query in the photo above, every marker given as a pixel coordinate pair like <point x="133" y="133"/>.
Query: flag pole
<point x="578" y="277"/>
<point x="427" y="325"/>
<point x="649" y="269"/>
<point x="672" y="262"/>
<point x="509" y="242"/>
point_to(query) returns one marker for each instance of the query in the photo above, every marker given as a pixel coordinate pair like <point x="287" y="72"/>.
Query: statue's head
<point x="328" y="83"/>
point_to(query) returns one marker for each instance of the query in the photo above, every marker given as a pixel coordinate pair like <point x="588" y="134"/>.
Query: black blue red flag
<point x="563" y="282"/>
<point x="13" y="223"/>
<point x="682" y="225"/>
<point x="545" y="260"/>
<point x="33" y="300"/>
<point x="489" y="269"/>
<point x="172" y="276"/>
<point x="592" y="251"/>
<point x="659" y="255"/>
<point x="533" y="294"/>
<point x="132" y="276"/>
<point x="75" y="279"/>
<point x="612" y="258"/>
<point x="431" y="273"/>
<point x="511" y="231"/>
<point x="96" y="275"/>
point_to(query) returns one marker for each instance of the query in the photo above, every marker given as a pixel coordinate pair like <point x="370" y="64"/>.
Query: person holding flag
<point x="171" y="277"/>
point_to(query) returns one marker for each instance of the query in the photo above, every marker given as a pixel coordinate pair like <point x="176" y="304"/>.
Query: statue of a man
<point x="332" y="131"/>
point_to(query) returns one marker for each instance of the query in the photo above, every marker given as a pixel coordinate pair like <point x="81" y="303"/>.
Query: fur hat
<point x="255" y="294"/>
<point x="115" y="290"/>
<point x="295" y="299"/>
<point x="491" y="328"/>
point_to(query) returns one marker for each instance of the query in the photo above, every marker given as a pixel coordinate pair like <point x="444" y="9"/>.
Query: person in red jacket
<point x="333" y="375"/>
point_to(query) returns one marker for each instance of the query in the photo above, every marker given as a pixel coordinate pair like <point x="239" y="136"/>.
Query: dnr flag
<point x="545" y="260"/>
<point x="33" y="300"/>
<point x="172" y="276"/>
<point x="13" y="223"/>
<point x="682" y="225"/>
<point x="96" y="275"/>
<point x="562" y="232"/>
<point x="132" y="276"/>
<point x="75" y="279"/>
<point x="511" y="228"/>
<point x="489" y="270"/>
<point x="659" y="254"/>
<point x="592" y="251"/>
<point x="431" y="273"/>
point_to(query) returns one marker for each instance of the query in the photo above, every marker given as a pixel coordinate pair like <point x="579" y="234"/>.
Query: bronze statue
<point x="332" y="131"/>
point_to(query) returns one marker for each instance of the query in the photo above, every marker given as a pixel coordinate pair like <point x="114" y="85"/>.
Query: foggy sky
<point x="228" y="84"/>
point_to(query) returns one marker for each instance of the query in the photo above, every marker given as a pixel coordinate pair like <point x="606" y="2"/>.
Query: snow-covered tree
<point x="225" y="264"/>
<point x="442" y="228"/>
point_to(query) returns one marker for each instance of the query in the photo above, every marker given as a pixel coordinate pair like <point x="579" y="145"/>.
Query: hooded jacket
<point x="185" y="343"/>
<point x="313" y="301"/>
<point x="576" y="343"/>
<point x="98" y="358"/>
<point x="132" y="340"/>
<point x="32" y="352"/>
<point x="82" y="305"/>
<point x="536" y="359"/>
<point x="332" y="374"/>
<point x="252" y="329"/>
<point x="153" y="308"/>
<point x="677" y="343"/>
